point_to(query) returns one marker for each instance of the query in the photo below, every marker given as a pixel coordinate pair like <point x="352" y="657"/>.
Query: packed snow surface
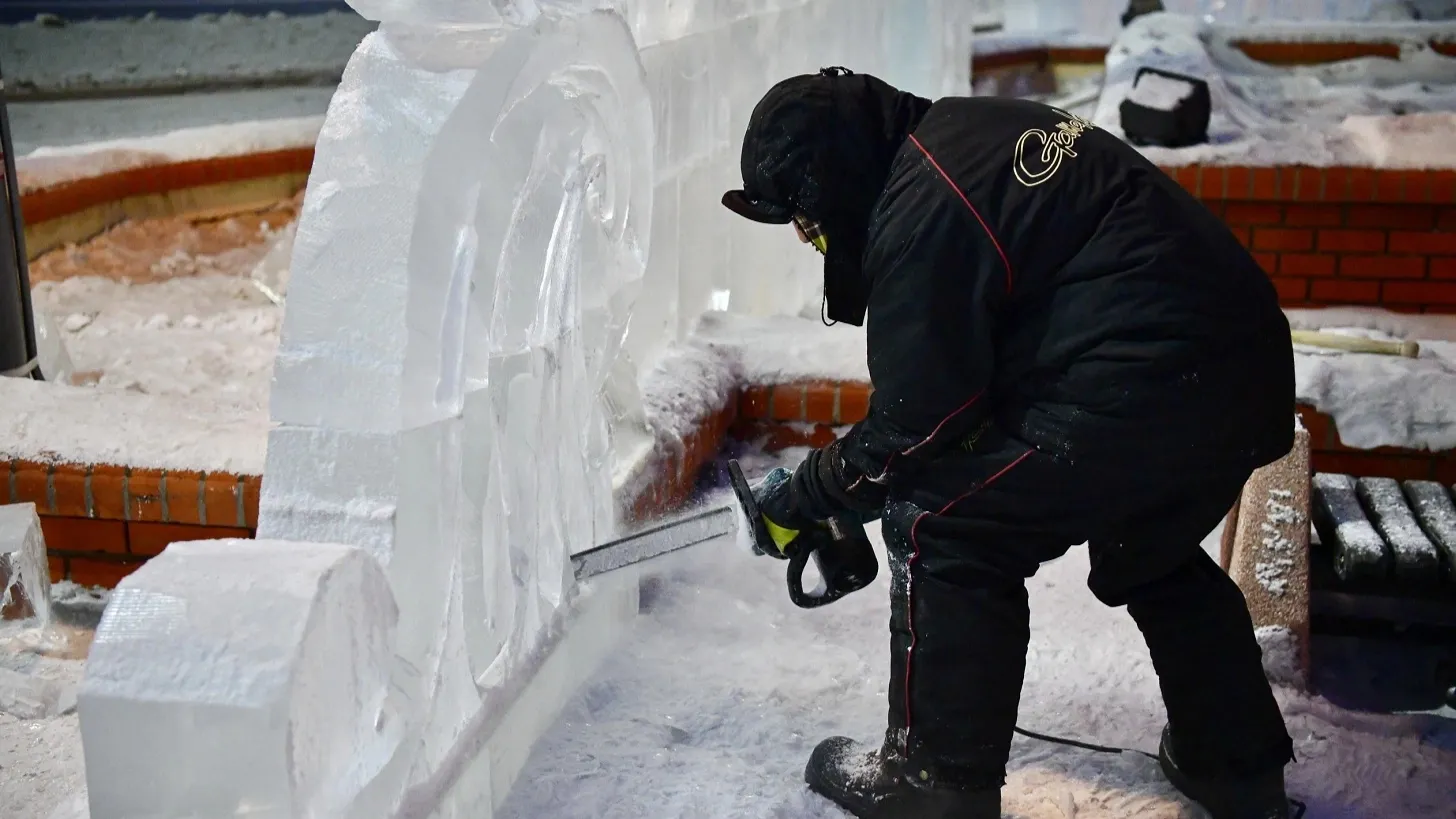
<point x="712" y="707"/>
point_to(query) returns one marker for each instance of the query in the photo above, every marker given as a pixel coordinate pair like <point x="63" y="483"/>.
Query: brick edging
<point x="129" y="494"/>
<point x="68" y="198"/>
<point x="1039" y="57"/>
<point x="1311" y="183"/>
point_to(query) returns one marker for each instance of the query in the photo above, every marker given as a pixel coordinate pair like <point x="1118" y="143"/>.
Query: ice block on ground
<point x="25" y="580"/>
<point x="255" y="676"/>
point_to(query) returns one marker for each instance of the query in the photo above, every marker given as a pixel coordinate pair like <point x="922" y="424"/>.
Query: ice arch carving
<point x="454" y="397"/>
<point x="471" y="244"/>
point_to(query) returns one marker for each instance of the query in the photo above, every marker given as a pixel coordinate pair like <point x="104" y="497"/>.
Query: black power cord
<point x="1298" y="807"/>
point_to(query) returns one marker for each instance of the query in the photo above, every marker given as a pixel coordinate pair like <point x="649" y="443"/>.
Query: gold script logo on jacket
<point x="1039" y="154"/>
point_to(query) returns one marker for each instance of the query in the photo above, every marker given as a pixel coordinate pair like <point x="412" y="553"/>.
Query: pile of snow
<point x="1381" y="400"/>
<point x="212" y="337"/>
<point x="1396" y="141"/>
<point x="1346" y="113"/>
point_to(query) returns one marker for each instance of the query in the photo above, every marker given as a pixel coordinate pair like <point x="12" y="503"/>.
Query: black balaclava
<point x="821" y="145"/>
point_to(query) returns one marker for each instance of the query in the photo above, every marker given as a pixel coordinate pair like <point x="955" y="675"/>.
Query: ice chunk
<point x="28" y="697"/>
<point x="252" y="692"/>
<point x="270" y="274"/>
<point x="25" y="579"/>
<point x="52" y="356"/>
<point x="1159" y="92"/>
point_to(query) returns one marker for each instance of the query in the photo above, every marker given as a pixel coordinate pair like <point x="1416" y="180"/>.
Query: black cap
<point x="777" y="146"/>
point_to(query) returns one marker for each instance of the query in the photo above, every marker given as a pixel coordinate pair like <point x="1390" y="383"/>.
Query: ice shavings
<point x="712" y="706"/>
<point x="784" y="349"/>
<point x="1266" y="115"/>
<point x="1159" y="92"/>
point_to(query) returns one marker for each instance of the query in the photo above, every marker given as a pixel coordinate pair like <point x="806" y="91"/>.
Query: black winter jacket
<point x="1028" y="267"/>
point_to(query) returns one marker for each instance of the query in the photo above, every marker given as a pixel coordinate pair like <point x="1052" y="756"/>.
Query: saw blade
<point x="656" y="541"/>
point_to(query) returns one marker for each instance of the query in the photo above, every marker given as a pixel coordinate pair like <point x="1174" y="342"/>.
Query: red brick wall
<point x="1338" y="236"/>
<point x="102" y="522"/>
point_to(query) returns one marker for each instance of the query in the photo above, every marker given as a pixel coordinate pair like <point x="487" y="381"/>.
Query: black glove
<point x="826" y="486"/>
<point x="822" y="487"/>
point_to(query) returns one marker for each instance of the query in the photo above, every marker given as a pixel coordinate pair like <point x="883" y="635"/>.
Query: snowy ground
<point x="712" y="707"/>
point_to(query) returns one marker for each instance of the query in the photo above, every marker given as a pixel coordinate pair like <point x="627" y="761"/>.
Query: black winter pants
<point x="961" y="545"/>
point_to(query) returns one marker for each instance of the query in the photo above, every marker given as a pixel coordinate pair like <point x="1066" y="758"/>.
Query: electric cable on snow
<point x="1298" y="806"/>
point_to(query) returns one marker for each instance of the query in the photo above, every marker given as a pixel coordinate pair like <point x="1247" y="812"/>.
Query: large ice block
<point x="25" y="580"/>
<point x="512" y="216"/>
<point x="255" y="676"/>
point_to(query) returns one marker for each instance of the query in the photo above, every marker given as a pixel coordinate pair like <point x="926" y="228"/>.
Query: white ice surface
<point x="23" y="567"/>
<point x="713" y="705"/>
<point x="252" y="693"/>
<point x="1268" y="115"/>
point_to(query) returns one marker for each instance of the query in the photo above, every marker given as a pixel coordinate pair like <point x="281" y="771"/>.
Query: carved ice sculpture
<point x="456" y="391"/>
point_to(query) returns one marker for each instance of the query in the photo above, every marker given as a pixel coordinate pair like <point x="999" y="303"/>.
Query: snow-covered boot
<point x="1227" y="797"/>
<point x="881" y="784"/>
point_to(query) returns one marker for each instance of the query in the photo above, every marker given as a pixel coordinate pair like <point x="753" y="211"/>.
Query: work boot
<point x="881" y="784"/>
<point x="1228" y="797"/>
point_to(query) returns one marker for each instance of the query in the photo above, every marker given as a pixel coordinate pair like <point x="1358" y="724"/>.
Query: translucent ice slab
<point x="513" y="210"/>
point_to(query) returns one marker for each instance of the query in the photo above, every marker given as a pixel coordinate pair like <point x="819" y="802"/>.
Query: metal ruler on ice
<point x="656" y="541"/>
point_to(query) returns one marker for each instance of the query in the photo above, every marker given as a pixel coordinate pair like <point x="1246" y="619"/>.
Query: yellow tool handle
<point x="1356" y="344"/>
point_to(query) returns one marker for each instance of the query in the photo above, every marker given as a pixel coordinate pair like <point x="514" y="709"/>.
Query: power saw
<point x="840" y="549"/>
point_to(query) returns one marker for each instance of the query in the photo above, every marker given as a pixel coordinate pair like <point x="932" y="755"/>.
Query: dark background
<point x="16" y="11"/>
